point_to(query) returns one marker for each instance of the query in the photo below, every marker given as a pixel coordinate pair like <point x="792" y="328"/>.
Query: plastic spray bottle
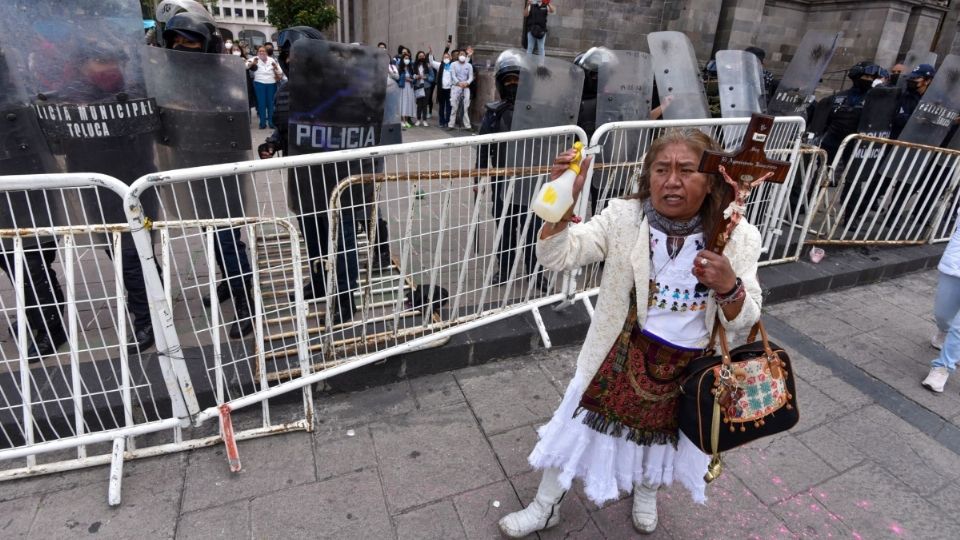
<point x="556" y="197"/>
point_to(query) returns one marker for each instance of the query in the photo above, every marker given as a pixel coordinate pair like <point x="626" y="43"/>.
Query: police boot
<point x="243" y="303"/>
<point x="139" y="309"/>
<point x="542" y="513"/>
<point x="315" y="290"/>
<point x="224" y="292"/>
<point x="345" y="308"/>
<point x="645" y="508"/>
<point x="50" y="336"/>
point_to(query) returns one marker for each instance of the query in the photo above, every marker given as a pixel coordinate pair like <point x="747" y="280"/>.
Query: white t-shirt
<point x="676" y="308"/>
<point x="265" y="70"/>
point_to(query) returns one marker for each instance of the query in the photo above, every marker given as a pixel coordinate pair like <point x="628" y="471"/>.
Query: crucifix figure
<point x="743" y="170"/>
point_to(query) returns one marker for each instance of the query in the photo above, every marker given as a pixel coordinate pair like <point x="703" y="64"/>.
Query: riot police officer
<point x="917" y="83"/>
<point x="498" y="118"/>
<point x="847" y="106"/>
<point x="196" y="33"/>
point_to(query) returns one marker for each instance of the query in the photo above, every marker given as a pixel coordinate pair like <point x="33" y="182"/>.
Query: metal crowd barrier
<point x="86" y="405"/>
<point x="887" y="192"/>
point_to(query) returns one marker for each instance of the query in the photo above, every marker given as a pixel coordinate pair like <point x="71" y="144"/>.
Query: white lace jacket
<point x="620" y="236"/>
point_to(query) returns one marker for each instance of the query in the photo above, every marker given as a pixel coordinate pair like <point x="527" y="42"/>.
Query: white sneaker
<point x="937" y="340"/>
<point x="936" y="379"/>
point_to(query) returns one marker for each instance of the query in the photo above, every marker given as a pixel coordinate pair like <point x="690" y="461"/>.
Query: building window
<point x="237" y="12"/>
<point x="261" y="15"/>
<point x="250" y="14"/>
<point x="216" y="11"/>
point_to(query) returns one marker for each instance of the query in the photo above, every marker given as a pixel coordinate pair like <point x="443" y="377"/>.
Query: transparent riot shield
<point x="391" y="130"/>
<point x="803" y="74"/>
<point x="913" y="59"/>
<point x="337" y="96"/>
<point x="938" y="108"/>
<point x="86" y="81"/>
<point x="740" y="81"/>
<point x="625" y="87"/>
<point x="678" y="76"/>
<point x="548" y="95"/>
<point x="23" y="150"/>
<point x="205" y="120"/>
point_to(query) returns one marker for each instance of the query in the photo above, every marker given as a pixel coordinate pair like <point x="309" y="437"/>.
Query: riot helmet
<point x="507" y="65"/>
<point x="859" y="71"/>
<point x="288" y="36"/>
<point x="168" y="9"/>
<point x="193" y="28"/>
<point x="590" y="62"/>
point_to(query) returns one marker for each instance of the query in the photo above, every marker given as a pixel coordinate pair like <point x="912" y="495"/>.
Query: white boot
<point x="644" y="508"/>
<point x="542" y="513"/>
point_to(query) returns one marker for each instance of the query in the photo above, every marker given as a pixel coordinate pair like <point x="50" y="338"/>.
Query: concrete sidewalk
<point x="444" y="456"/>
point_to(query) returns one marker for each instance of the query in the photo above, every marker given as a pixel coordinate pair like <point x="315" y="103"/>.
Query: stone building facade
<point x="879" y="30"/>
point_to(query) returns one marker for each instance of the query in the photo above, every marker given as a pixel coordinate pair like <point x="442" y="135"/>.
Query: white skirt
<point x="610" y="465"/>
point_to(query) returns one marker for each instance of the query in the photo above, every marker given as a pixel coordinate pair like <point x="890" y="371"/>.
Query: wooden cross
<point x="743" y="170"/>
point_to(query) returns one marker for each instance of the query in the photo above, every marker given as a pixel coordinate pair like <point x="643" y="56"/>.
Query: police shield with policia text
<point x="337" y="96"/>
<point x="88" y="89"/>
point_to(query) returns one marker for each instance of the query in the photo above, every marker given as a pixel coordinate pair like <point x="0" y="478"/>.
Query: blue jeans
<point x="946" y="309"/>
<point x="265" y="93"/>
<point x="443" y="99"/>
<point x="539" y="41"/>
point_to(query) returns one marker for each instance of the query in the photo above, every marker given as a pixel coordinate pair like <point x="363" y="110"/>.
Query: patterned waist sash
<point x="636" y="389"/>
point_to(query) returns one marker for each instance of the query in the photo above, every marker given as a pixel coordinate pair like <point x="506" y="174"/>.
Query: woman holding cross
<point x="617" y="426"/>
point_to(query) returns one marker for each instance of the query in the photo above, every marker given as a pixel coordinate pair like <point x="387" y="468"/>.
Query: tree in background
<point x="315" y="13"/>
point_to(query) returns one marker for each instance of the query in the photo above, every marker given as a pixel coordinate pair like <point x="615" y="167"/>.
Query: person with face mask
<point x="266" y="74"/>
<point x="405" y="77"/>
<point x="269" y="47"/>
<point x="919" y="79"/>
<point x="462" y="78"/>
<point x="424" y="77"/>
<point x="895" y="72"/>
<point x="446" y="81"/>
<point x="847" y="106"/>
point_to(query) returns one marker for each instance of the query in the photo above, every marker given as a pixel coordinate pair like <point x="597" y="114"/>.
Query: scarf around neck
<point x="671" y="227"/>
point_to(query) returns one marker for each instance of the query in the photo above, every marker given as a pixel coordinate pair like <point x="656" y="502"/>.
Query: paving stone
<point x="427" y="457"/>
<point x="227" y="521"/>
<point x="508" y="395"/>
<point x="559" y="366"/>
<point x="815" y="407"/>
<point x="268" y="464"/>
<point x="905" y="375"/>
<point x="343" y="508"/>
<point x="482" y="508"/>
<point x="907" y="454"/>
<point x="822" y="327"/>
<point x="946" y="498"/>
<point x="575" y="521"/>
<point x="513" y="447"/>
<point x="358" y="408"/>
<point x="807" y="369"/>
<point x="843" y="393"/>
<point x="438" y="521"/>
<point x="615" y="521"/>
<point x="874" y="504"/>
<point x="805" y="516"/>
<point x="151" y="502"/>
<point x="743" y="515"/>
<point x="338" y="452"/>
<point x="435" y="391"/>
<point x="779" y="470"/>
<point x="16" y="515"/>
<point x="831" y="448"/>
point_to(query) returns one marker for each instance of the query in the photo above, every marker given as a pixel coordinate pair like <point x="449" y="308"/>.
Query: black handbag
<point x="738" y="396"/>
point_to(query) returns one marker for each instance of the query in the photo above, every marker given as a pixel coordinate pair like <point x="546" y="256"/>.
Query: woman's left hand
<point x="714" y="271"/>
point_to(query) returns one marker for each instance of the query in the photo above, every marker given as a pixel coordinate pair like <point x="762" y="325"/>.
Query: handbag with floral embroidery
<point x="738" y="396"/>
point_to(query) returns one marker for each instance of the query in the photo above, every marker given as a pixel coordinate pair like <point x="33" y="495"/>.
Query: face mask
<point x="446" y="60"/>
<point x="509" y="92"/>
<point x="270" y="53"/>
<point x="862" y="85"/>
<point x="181" y="48"/>
<point x="913" y="85"/>
<point x="406" y="60"/>
<point x="462" y="58"/>
<point x="108" y="80"/>
<point x="235" y="53"/>
<point x="228" y="46"/>
<point x="894" y="77"/>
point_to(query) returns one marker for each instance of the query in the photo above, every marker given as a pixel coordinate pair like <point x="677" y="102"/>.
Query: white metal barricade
<point x="354" y="256"/>
<point x="888" y="192"/>
<point x="95" y="392"/>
